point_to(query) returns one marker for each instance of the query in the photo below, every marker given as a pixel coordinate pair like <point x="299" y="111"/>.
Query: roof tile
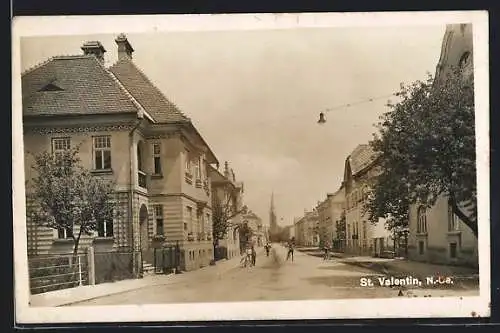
<point x="146" y="93"/>
<point x="88" y="88"/>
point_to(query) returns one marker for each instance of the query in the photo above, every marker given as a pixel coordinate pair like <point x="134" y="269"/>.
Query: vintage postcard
<point x="235" y="167"/>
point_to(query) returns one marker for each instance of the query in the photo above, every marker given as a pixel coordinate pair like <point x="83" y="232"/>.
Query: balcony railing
<point x="142" y="179"/>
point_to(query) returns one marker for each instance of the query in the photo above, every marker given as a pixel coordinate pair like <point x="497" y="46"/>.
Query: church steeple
<point x="272" y="215"/>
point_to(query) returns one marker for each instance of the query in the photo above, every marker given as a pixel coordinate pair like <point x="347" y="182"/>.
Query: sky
<point x="255" y="96"/>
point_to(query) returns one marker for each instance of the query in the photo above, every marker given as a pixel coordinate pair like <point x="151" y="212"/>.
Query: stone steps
<point x="148" y="269"/>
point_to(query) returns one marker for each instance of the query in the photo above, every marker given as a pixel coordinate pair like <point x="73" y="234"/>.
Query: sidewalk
<point x="400" y="267"/>
<point x="78" y="294"/>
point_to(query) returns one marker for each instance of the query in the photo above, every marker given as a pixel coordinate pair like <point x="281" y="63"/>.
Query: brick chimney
<point x="124" y="48"/>
<point x="95" y="48"/>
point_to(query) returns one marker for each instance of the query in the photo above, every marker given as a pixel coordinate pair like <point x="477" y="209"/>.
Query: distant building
<point x="255" y="224"/>
<point x="362" y="236"/>
<point x="329" y="216"/>
<point x="436" y="234"/>
<point x="307" y="229"/>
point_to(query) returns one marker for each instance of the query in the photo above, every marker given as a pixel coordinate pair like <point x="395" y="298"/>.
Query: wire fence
<point x="55" y="272"/>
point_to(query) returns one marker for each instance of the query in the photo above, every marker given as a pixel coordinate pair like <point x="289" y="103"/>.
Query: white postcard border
<point x="325" y="309"/>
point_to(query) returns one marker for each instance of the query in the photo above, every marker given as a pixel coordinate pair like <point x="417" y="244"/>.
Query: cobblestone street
<point x="273" y="278"/>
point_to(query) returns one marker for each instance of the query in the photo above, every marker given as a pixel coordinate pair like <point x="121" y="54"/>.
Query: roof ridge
<point x="36" y="66"/>
<point x="56" y="57"/>
<point x="153" y="85"/>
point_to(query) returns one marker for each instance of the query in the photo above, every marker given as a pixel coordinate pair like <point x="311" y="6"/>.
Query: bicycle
<point x="246" y="260"/>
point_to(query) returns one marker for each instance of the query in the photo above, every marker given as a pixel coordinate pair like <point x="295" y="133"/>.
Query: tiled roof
<point x="361" y="157"/>
<point x="146" y="93"/>
<point x="87" y="88"/>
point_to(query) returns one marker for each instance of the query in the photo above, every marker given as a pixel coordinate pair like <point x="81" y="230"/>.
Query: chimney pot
<point x="95" y="48"/>
<point x="125" y="50"/>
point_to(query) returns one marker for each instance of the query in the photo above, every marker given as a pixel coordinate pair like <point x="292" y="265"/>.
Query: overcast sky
<point x="255" y="96"/>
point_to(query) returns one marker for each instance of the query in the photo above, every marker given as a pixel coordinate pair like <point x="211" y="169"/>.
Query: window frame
<point x="422" y="220"/>
<point x="107" y="228"/>
<point x="65" y="234"/>
<point x="157" y="168"/>
<point x="159" y="216"/>
<point x="60" y="150"/>
<point x="187" y="162"/>
<point x="189" y="210"/>
<point x="101" y="151"/>
<point x="453" y="220"/>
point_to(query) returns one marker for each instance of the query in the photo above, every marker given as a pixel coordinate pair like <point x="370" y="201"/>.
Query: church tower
<point x="272" y="216"/>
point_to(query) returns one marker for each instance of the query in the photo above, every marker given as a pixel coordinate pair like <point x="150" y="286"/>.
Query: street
<point x="272" y="279"/>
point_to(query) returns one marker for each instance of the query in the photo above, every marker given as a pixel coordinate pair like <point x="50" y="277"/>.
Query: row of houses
<point x="434" y="234"/>
<point x="166" y="175"/>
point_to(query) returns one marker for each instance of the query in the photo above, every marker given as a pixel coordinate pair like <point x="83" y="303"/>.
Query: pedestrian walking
<point x="254" y="255"/>
<point x="268" y="248"/>
<point x="290" y="251"/>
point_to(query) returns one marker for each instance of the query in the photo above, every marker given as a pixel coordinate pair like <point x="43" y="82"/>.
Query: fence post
<point x="79" y="271"/>
<point x="91" y="265"/>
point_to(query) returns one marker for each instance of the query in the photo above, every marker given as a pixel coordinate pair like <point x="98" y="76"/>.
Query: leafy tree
<point x="66" y="197"/>
<point x="426" y="149"/>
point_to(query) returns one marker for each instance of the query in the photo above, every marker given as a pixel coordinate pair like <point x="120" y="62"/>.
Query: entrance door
<point x="143" y="229"/>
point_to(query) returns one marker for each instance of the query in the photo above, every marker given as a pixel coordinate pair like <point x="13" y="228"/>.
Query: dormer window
<point x="51" y="87"/>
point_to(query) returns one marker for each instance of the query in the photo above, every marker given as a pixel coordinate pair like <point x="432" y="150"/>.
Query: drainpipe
<point x="131" y="193"/>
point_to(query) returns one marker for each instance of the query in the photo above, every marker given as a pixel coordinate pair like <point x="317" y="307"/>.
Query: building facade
<point x="255" y="224"/>
<point x="436" y="234"/>
<point x="362" y="237"/>
<point x="307" y="229"/>
<point x="329" y="215"/>
<point x="227" y="201"/>
<point x="130" y="133"/>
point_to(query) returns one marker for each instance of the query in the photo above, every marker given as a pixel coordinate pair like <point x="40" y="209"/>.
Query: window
<point x="63" y="233"/>
<point x="188" y="162"/>
<point x="453" y="220"/>
<point x="105" y="228"/>
<point x="158" y="211"/>
<point x="59" y="146"/>
<point x="197" y="169"/>
<point x="453" y="250"/>
<point x="422" y="220"/>
<point x="185" y="226"/>
<point x="190" y="218"/>
<point x="157" y="158"/>
<point x="102" y="152"/>
<point x="421" y="247"/>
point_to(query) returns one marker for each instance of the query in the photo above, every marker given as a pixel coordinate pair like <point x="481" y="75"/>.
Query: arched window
<point x="422" y="220"/>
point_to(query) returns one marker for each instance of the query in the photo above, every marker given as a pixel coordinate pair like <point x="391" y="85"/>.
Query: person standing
<point x="290" y="251"/>
<point x="268" y="248"/>
<point x="254" y="255"/>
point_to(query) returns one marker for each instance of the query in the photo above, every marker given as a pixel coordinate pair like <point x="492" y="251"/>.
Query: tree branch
<point x="456" y="210"/>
